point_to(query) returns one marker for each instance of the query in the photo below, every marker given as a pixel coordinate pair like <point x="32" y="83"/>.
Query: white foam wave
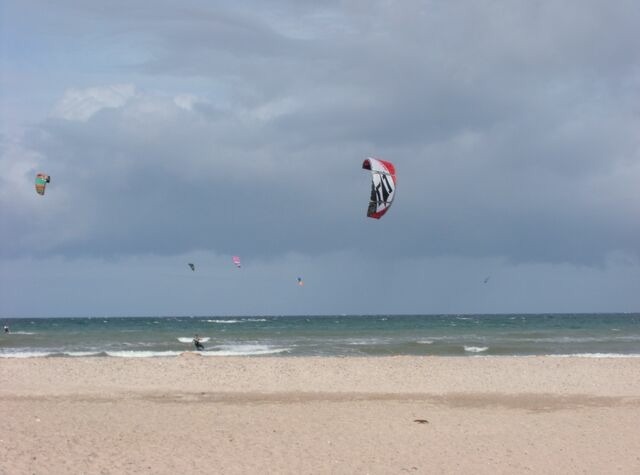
<point x="244" y="350"/>
<point x="44" y="354"/>
<point x="367" y="341"/>
<point x="223" y="350"/>
<point x="586" y="339"/>
<point x="242" y="320"/>
<point x="25" y="354"/>
<point x="476" y="349"/>
<point x="425" y="342"/>
<point x="185" y="339"/>
<point x="21" y="333"/>
<point x="142" y="354"/>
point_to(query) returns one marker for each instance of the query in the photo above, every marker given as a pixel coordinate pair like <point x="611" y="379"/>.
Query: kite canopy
<point x="236" y="261"/>
<point x="300" y="281"/>
<point x="41" y="182"/>
<point x="383" y="186"/>
<point x="193" y="267"/>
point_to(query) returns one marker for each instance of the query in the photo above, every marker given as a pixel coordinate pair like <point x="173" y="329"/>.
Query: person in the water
<point x="197" y="344"/>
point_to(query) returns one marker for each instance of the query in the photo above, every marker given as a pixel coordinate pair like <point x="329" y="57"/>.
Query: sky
<point x="192" y="131"/>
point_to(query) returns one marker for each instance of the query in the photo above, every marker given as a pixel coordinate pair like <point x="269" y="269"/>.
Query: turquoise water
<point x="330" y="335"/>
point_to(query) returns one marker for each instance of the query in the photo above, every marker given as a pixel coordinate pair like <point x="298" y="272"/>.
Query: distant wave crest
<point x="476" y="349"/>
<point x="242" y="320"/>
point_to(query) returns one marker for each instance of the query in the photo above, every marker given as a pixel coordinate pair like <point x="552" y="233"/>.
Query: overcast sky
<point x="192" y="131"/>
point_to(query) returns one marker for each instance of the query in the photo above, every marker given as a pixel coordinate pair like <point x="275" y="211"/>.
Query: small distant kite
<point x="300" y="281"/>
<point x="486" y="279"/>
<point x="383" y="186"/>
<point x="236" y="261"/>
<point x="193" y="268"/>
<point x="41" y="182"/>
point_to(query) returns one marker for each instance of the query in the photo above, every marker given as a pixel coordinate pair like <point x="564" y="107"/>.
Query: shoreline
<point x="320" y="415"/>
<point x="279" y="354"/>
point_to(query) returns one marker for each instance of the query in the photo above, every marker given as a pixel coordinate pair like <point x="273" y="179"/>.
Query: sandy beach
<point x="193" y="414"/>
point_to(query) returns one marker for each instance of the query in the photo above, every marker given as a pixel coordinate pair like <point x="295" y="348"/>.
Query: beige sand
<point x="196" y="415"/>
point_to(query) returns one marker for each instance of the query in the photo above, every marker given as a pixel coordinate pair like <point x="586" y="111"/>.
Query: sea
<point x="584" y="335"/>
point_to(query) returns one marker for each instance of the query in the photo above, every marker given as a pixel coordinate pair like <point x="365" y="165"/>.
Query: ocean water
<point x="594" y="335"/>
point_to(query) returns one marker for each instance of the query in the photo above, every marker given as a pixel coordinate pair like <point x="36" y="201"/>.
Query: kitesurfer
<point x="197" y="344"/>
<point x="6" y="329"/>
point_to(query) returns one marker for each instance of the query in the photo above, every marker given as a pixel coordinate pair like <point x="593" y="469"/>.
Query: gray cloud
<point x="513" y="127"/>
